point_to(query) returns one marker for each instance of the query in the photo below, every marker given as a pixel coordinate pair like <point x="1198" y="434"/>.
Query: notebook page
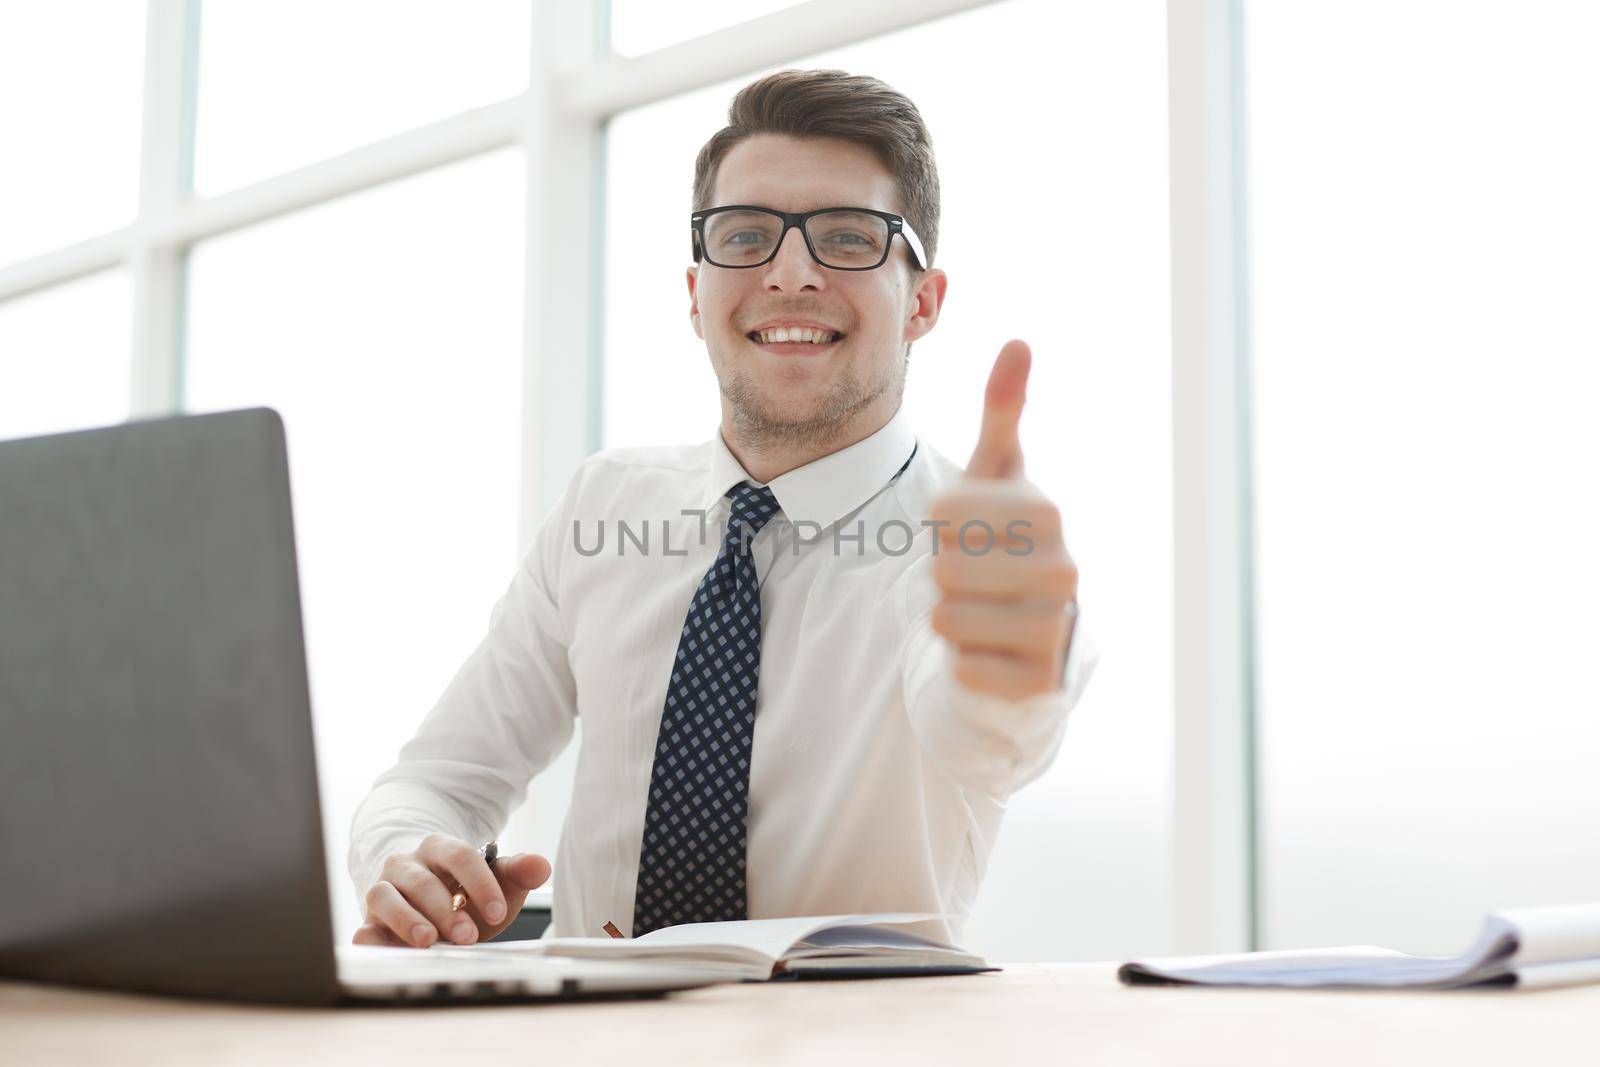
<point x="770" y="937"/>
<point x="872" y="937"/>
<point x="1559" y="932"/>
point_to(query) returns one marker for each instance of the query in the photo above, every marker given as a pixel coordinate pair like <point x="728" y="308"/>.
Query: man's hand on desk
<point x="1007" y="608"/>
<point x="409" y="905"/>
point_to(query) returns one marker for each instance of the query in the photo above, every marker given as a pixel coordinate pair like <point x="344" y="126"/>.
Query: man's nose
<point x="793" y="267"/>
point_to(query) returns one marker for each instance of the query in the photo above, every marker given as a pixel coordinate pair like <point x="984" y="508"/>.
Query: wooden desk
<point x="1047" y="1013"/>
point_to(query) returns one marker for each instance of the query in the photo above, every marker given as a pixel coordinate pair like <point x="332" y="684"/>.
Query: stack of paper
<point x="1527" y="947"/>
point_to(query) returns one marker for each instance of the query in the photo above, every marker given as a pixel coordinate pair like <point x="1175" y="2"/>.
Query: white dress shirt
<point x="877" y="781"/>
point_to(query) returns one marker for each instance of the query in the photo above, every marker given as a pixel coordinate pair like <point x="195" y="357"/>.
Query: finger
<point x="976" y="626"/>
<point x="456" y="860"/>
<point x="425" y="890"/>
<point x="522" y="872"/>
<point x="375" y="933"/>
<point x="999" y="575"/>
<point x="976" y="514"/>
<point x="999" y="450"/>
<point x="394" y="914"/>
<point x="997" y="674"/>
<point x="518" y="875"/>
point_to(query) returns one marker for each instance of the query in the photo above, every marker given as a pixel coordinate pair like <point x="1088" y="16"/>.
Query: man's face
<point x="800" y="393"/>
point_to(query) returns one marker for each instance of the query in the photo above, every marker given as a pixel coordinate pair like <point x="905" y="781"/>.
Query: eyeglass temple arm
<point x="915" y="244"/>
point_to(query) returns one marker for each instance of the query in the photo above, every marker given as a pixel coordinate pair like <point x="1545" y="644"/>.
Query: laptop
<point x="159" y="820"/>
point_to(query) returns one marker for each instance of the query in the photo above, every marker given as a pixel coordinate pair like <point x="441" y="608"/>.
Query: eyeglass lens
<point x="841" y="238"/>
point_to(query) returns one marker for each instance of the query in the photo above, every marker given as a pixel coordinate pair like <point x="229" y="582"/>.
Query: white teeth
<point x="794" y="333"/>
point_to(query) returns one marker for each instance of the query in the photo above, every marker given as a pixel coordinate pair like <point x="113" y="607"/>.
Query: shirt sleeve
<point x="987" y="743"/>
<point x="504" y="717"/>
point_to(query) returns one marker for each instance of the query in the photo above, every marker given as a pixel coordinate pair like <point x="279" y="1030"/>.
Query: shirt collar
<point x="826" y="489"/>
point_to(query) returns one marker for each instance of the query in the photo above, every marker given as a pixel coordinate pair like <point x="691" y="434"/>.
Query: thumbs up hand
<point x="1007" y="587"/>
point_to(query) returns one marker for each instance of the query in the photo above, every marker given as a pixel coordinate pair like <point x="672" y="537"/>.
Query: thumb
<point x="522" y="872"/>
<point x="999" y="450"/>
<point x="517" y="876"/>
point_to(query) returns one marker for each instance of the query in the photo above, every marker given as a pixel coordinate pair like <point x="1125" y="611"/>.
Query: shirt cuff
<point x="989" y="742"/>
<point x="395" y="817"/>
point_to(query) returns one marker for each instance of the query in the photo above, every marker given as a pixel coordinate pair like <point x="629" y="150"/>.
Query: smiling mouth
<point x="795" y="348"/>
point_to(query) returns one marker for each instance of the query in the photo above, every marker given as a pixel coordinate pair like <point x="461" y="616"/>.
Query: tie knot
<point x="752" y="507"/>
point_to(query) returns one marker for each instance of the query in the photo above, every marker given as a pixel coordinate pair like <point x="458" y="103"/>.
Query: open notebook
<point x="1528" y="947"/>
<point x="832" y="946"/>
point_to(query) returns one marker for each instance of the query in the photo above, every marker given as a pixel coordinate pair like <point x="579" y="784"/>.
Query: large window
<point x="1080" y="870"/>
<point x="332" y="210"/>
<point x="1427" y="360"/>
<point x="386" y="328"/>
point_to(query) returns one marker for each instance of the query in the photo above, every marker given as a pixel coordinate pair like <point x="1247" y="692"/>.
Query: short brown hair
<point x="831" y="103"/>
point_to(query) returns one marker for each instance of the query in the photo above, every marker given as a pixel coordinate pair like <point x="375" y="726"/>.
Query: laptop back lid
<point x="159" y="820"/>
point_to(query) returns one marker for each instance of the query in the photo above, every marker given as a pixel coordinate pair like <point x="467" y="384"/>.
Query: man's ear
<point x="926" y="300"/>
<point x="694" y="304"/>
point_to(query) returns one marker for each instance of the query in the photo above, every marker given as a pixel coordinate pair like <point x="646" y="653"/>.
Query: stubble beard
<point x="763" y="426"/>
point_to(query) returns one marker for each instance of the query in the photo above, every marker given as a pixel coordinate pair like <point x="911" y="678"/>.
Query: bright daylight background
<point x="1427" y="362"/>
<point x="1423" y="228"/>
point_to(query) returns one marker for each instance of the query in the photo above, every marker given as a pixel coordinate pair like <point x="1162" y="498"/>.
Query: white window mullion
<point x="1213" y="873"/>
<point x="561" y="331"/>
<point x="561" y="344"/>
<point x="172" y="36"/>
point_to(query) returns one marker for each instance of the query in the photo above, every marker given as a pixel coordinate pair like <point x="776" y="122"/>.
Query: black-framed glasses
<point x="840" y="238"/>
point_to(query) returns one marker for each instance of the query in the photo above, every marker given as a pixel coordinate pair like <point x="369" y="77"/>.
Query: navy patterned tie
<point x="691" y="863"/>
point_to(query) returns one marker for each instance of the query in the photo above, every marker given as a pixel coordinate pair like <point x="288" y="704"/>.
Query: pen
<point x="458" y="900"/>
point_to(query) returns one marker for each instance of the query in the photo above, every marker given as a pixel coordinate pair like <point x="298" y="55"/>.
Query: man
<point x="812" y="656"/>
